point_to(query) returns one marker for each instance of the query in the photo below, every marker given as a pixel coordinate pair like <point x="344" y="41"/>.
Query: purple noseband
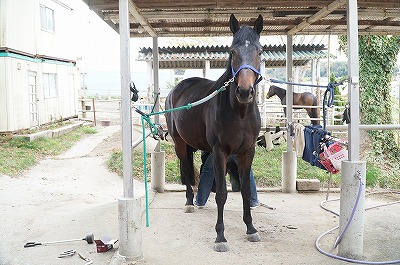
<point x="247" y="66"/>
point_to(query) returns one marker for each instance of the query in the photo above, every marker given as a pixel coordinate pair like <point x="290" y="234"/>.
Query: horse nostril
<point x="251" y="90"/>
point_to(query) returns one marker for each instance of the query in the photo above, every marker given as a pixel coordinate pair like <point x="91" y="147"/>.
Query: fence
<point x="271" y="111"/>
<point x="272" y="114"/>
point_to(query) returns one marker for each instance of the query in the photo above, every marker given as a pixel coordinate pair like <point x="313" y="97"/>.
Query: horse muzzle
<point x="245" y="96"/>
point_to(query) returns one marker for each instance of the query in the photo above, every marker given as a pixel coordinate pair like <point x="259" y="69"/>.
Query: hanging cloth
<point x="298" y="139"/>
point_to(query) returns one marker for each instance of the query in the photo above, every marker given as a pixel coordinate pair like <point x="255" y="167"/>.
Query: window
<point x="50" y="85"/>
<point x="46" y="18"/>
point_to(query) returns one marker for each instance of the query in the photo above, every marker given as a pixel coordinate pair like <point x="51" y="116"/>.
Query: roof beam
<point x="320" y="14"/>
<point x="134" y="10"/>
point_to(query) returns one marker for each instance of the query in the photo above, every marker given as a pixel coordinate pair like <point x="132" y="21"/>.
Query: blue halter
<point x="247" y="66"/>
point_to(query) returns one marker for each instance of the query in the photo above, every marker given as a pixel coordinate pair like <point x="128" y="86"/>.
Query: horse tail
<point x="314" y="112"/>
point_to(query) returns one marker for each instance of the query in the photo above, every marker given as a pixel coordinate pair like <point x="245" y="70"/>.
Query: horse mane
<point x="225" y="76"/>
<point x="280" y="92"/>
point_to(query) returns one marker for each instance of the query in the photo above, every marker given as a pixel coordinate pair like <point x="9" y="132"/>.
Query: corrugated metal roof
<point x="169" y="18"/>
<point x="194" y="56"/>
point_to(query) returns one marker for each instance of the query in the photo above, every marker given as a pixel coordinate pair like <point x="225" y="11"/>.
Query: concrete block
<point x="307" y="185"/>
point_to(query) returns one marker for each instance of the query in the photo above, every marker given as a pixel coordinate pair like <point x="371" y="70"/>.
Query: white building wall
<point x="14" y="103"/>
<point x="61" y="43"/>
<point x="18" y="25"/>
<point x="20" y="30"/>
<point x="3" y="93"/>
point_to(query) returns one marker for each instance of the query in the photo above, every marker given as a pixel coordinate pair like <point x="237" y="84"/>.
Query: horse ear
<point x="233" y="24"/>
<point x="258" y="25"/>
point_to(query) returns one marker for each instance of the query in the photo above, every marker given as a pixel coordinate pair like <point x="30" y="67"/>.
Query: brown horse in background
<point x="226" y="124"/>
<point x="300" y="99"/>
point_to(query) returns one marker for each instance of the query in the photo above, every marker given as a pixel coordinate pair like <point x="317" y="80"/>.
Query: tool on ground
<point x="67" y="253"/>
<point x="104" y="247"/>
<point x="70" y="253"/>
<point x="89" y="239"/>
<point x="88" y="261"/>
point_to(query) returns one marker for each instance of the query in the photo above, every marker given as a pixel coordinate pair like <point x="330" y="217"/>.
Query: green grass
<point x="20" y="154"/>
<point x="267" y="167"/>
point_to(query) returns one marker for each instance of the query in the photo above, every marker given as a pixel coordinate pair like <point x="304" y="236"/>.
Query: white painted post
<point x="206" y="70"/>
<point x="268" y="141"/>
<point x="313" y="74"/>
<point x="353" y="170"/>
<point x="156" y="94"/>
<point x="158" y="171"/>
<point x="289" y="159"/>
<point x="130" y="230"/>
<point x="289" y="90"/>
<point x="129" y="208"/>
<point x="150" y="81"/>
<point x="261" y="87"/>
<point x="289" y="171"/>
<point x="351" y="245"/>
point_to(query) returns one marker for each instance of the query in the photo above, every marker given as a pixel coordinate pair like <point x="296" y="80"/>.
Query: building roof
<point x="182" y="18"/>
<point x="195" y="56"/>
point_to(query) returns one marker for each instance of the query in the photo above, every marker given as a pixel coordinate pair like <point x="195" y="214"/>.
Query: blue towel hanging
<point x="313" y="134"/>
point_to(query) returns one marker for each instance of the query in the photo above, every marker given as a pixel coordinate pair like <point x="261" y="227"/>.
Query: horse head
<point x="245" y="58"/>
<point x="271" y="92"/>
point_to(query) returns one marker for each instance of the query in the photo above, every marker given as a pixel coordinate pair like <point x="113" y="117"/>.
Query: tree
<point x="377" y="59"/>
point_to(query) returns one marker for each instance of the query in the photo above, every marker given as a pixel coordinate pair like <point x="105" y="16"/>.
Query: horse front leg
<point x="221" y="195"/>
<point x="244" y="171"/>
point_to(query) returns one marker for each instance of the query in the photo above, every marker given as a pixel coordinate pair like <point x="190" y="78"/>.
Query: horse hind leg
<point x="312" y="113"/>
<point x="185" y="155"/>
<point x="187" y="169"/>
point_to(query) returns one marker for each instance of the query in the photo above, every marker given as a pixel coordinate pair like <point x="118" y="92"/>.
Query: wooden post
<point x="83" y="105"/>
<point x="94" y="113"/>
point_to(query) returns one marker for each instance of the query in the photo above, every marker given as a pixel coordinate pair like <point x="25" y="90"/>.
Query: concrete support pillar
<point x="289" y="159"/>
<point x="289" y="91"/>
<point x="353" y="171"/>
<point x="351" y="245"/>
<point x="129" y="213"/>
<point x="158" y="171"/>
<point x="289" y="171"/>
<point x="130" y="231"/>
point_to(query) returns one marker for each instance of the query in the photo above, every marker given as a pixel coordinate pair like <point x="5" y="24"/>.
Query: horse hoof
<point x="189" y="208"/>
<point x="253" y="237"/>
<point x="221" y="247"/>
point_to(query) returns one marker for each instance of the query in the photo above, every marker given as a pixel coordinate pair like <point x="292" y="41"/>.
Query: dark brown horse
<point x="300" y="99"/>
<point x="226" y="124"/>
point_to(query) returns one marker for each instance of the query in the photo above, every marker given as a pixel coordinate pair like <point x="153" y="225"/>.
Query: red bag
<point x="332" y="156"/>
